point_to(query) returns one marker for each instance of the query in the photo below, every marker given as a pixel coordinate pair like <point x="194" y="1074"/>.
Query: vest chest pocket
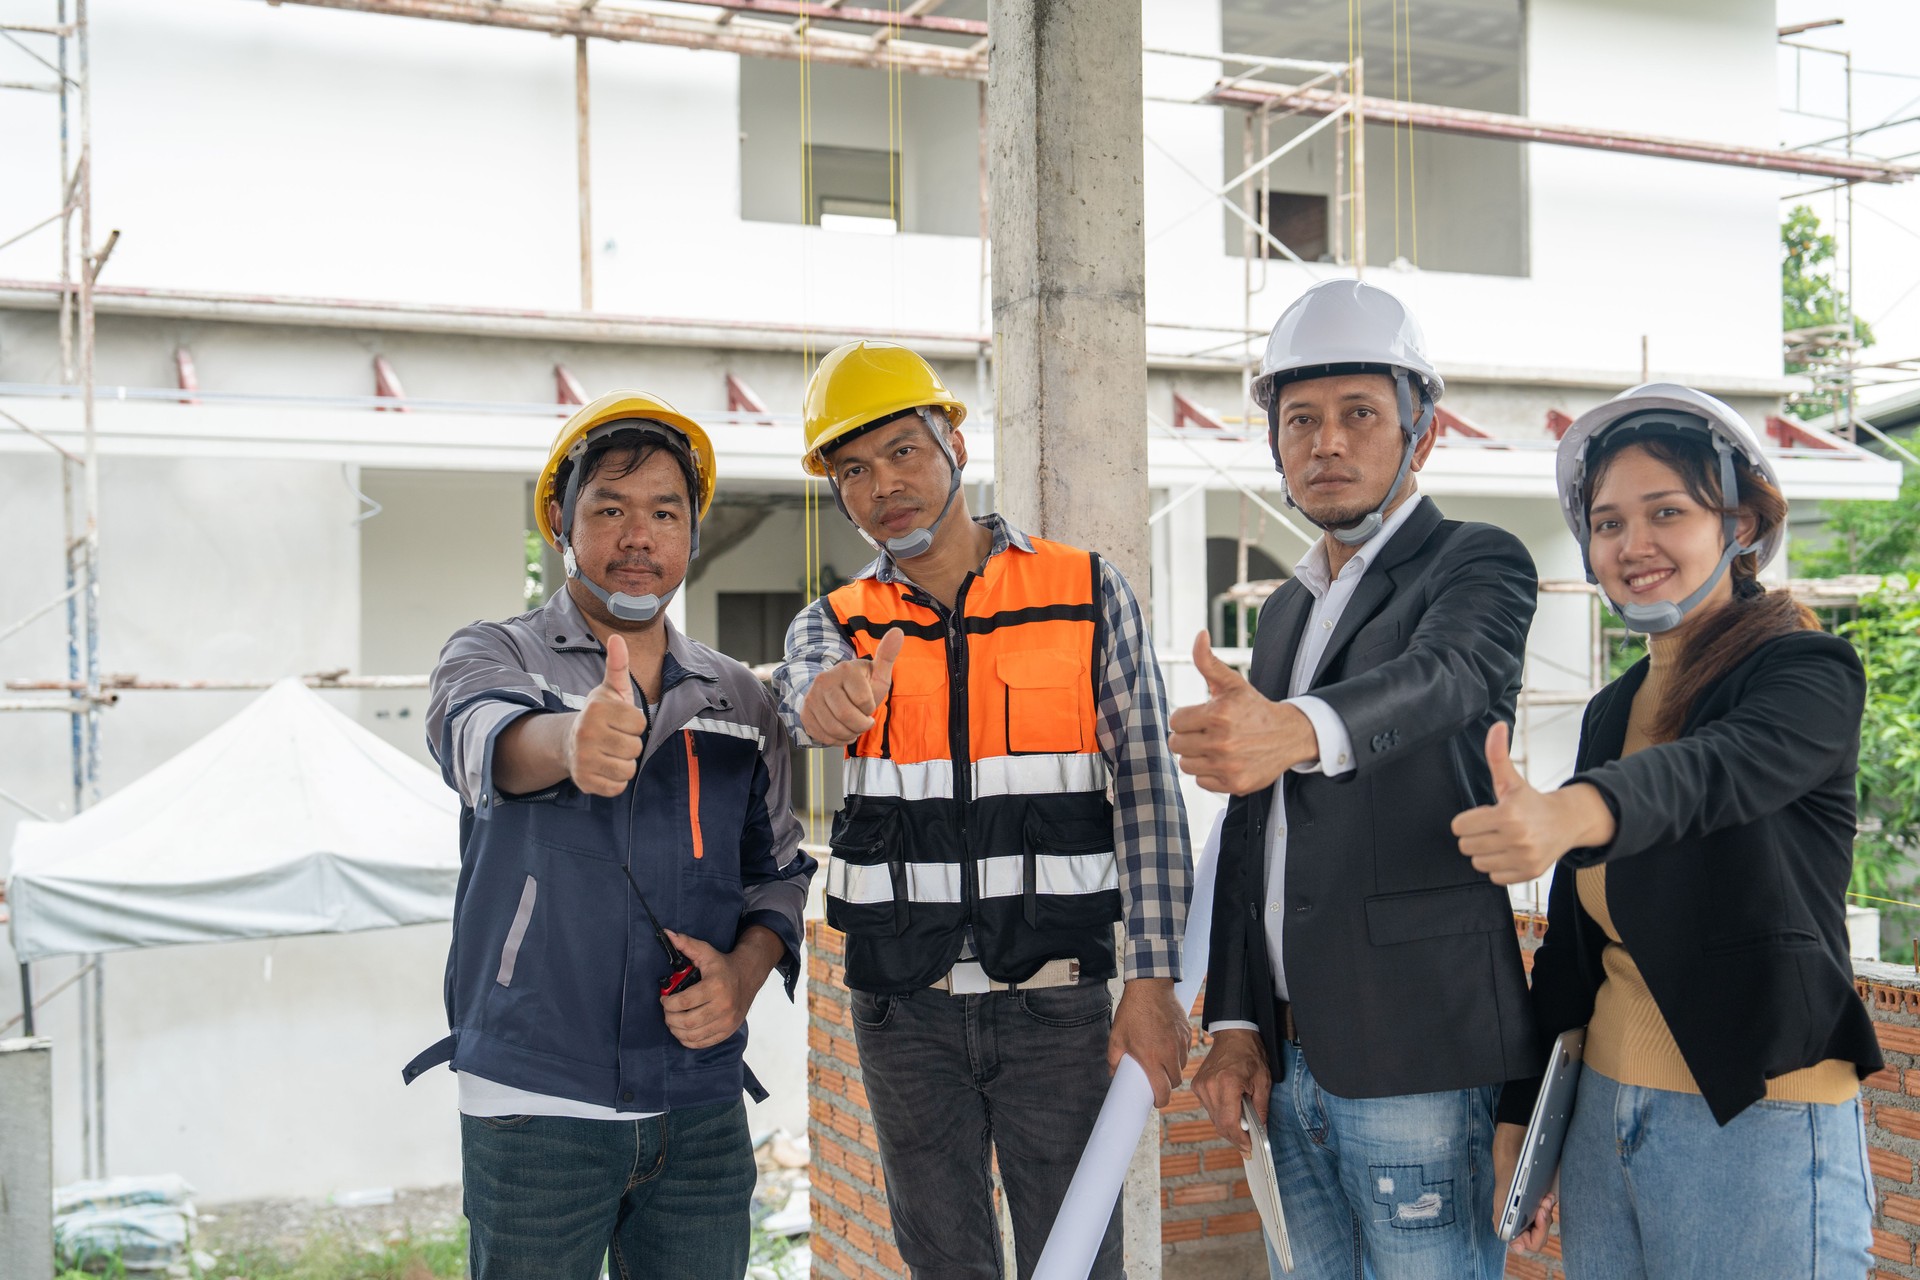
<point x="867" y="891"/>
<point x="1046" y="694"/>
<point x="1069" y="876"/>
<point x="914" y="727"/>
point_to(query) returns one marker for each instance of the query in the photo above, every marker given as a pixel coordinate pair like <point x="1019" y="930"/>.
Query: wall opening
<point x="922" y="174"/>
<point x="1438" y="202"/>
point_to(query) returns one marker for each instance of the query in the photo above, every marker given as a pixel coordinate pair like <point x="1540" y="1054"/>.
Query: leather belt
<point x="967" y="978"/>
<point x="1284" y="1009"/>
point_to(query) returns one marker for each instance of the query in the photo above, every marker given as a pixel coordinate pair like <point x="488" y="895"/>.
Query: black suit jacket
<point x="1401" y="959"/>
<point x="1727" y="877"/>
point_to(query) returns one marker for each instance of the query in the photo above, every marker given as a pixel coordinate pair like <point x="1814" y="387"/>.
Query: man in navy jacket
<point x="624" y="810"/>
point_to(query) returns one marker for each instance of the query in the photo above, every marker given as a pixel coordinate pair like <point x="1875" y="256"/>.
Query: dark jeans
<point x="548" y="1197"/>
<point x="953" y="1080"/>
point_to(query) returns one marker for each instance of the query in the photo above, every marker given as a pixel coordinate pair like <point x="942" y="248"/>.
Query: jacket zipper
<point x="960" y="739"/>
<point x="693" y="795"/>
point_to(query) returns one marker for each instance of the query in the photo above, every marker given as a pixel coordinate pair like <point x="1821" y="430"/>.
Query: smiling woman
<point x="1734" y="1044"/>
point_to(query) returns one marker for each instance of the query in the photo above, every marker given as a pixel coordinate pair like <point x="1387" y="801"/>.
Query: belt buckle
<point x="968" y="978"/>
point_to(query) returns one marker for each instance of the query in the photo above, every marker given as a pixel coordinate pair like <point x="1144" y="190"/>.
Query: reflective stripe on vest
<point x="1000" y="877"/>
<point x="1045" y="774"/>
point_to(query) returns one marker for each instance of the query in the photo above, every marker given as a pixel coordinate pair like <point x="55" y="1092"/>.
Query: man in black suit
<point x="1365" y="990"/>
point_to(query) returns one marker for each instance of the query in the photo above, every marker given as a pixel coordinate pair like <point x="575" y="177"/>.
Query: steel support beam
<point x="1493" y="124"/>
<point x="757" y="40"/>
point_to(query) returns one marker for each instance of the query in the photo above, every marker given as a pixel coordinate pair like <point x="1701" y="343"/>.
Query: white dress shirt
<point x="1330" y="597"/>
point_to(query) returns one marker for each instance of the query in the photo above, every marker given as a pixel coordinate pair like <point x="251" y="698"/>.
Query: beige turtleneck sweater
<point x="1627" y="1039"/>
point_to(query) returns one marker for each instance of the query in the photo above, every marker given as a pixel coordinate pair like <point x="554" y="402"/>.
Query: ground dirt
<point x="286" y="1225"/>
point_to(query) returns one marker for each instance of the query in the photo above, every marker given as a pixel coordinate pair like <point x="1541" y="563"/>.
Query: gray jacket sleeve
<point x="479" y="687"/>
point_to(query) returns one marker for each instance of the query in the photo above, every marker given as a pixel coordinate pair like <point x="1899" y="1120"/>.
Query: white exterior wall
<point x="337" y="154"/>
<point x="251" y="148"/>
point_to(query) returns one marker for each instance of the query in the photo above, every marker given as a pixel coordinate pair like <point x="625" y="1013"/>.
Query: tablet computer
<point x="1263" y="1180"/>
<point x="1546" y="1133"/>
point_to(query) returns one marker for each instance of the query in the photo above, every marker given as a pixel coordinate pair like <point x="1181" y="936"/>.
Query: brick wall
<point x="1208" y="1223"/>
<point x="852" y="1236"/>
<point x="1892" y="1101"/>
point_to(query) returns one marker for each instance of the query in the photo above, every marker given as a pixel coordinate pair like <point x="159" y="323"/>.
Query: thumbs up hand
<point x="1521" y="834"/>
<point x="1237" y="741"/>
<point x="842" y="700"/>
<point x="609" y="732"/>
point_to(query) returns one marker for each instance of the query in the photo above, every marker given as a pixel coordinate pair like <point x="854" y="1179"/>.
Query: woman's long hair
<point x="1720" y="640"/>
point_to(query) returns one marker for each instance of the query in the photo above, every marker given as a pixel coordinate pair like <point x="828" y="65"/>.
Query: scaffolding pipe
<point x="120" y="684"/>
<point x="1494" y="124"/>
<point x="759" y="41"/>
<point x="1356" y="104"/>
<point x="583" y="121"/>
<point x="26" y="999"/>
<point x="579" y="326"/>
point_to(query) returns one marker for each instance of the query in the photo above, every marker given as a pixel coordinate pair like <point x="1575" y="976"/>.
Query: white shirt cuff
<point x="1215" y="1028"/>
<point x="1336" y="747"/>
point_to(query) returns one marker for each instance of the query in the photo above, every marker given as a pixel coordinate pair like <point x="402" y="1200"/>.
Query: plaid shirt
<point x="1149" y="815"/>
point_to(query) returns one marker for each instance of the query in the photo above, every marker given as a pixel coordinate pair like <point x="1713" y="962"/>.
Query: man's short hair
<point x="639" y="443"/>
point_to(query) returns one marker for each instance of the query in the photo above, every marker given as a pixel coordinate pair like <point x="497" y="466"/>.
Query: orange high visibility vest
<point x="978" y="799"/>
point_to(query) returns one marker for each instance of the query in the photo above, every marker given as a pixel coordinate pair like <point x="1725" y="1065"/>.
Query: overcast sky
<point x="1883" y="36"/>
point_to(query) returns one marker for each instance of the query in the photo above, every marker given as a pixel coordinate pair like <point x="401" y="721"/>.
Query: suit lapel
<point x="1378" y="583"/>
<point x="1277" y="643"/>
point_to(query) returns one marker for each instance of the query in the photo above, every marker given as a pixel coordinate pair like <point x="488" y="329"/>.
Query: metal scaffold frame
<point x="80" y="517"/>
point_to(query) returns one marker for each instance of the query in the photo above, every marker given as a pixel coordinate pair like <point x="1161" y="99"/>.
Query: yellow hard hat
<point x="614" y="407"/>
<point x="862" y="383"/>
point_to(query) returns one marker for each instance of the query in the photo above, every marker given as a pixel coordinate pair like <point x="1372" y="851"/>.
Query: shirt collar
<point x="883" y="569"/>
<point x="565" y="629"/>
<point x="1311" y="569"/>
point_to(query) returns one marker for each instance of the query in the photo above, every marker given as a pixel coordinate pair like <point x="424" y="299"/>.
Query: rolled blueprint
<point x="1095" y="1189"/>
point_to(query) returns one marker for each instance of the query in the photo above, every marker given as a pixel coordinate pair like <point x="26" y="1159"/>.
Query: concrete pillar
<point x="26" y="1157"/>
<point x="1180" y="603"/>
<point x="1069" y="275"/>
<point x="1069" y="323"/>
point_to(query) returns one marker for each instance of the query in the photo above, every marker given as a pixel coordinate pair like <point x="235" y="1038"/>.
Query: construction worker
<point x="1009" y="797"/>
<point x="630" y="874"/>
<point x="1364" y="987"/>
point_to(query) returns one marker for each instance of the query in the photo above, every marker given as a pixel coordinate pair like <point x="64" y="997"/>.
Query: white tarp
<point x="287" y="819"/>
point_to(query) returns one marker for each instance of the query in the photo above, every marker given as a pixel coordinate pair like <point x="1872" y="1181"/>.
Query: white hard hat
<point x="1685" y="410"/>
<point x="1340" y="323"/>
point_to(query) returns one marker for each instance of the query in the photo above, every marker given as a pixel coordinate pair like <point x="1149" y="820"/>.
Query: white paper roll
<point x="1095" y="1189"/>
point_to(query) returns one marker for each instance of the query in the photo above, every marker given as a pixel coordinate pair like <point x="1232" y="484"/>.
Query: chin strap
<point x="1370" y="524"/>
<point x="914" y="542"/>
<point x="627" y="608"/>
<point x="1657" y="619"/>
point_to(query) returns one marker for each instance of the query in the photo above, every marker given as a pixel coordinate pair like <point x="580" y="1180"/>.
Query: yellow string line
<point x="1393" y="23"/>
<point x="1351" y="187"/>
<point x="810" y="517"/>
<point x="1894" y="902"/>
<point x="1413" y="177"/>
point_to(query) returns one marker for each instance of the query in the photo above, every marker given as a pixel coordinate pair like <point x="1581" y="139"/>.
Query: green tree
<point x="1809" y="299"/>
<point x="1868" y="537"/>
<point x="1887" y="635"/>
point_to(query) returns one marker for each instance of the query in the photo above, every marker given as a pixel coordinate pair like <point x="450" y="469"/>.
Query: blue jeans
<point x="549" y="1197"/>
<point x="1651" y="1186"/>
<point x="1384" y="1188"/>
<point x="952" y="1080"/>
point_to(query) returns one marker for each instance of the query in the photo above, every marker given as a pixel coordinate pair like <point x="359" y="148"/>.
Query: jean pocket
<point x="1076" y="1006"/>
<point x="872" y="1012"/>
<point x="504" y="1123"/>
